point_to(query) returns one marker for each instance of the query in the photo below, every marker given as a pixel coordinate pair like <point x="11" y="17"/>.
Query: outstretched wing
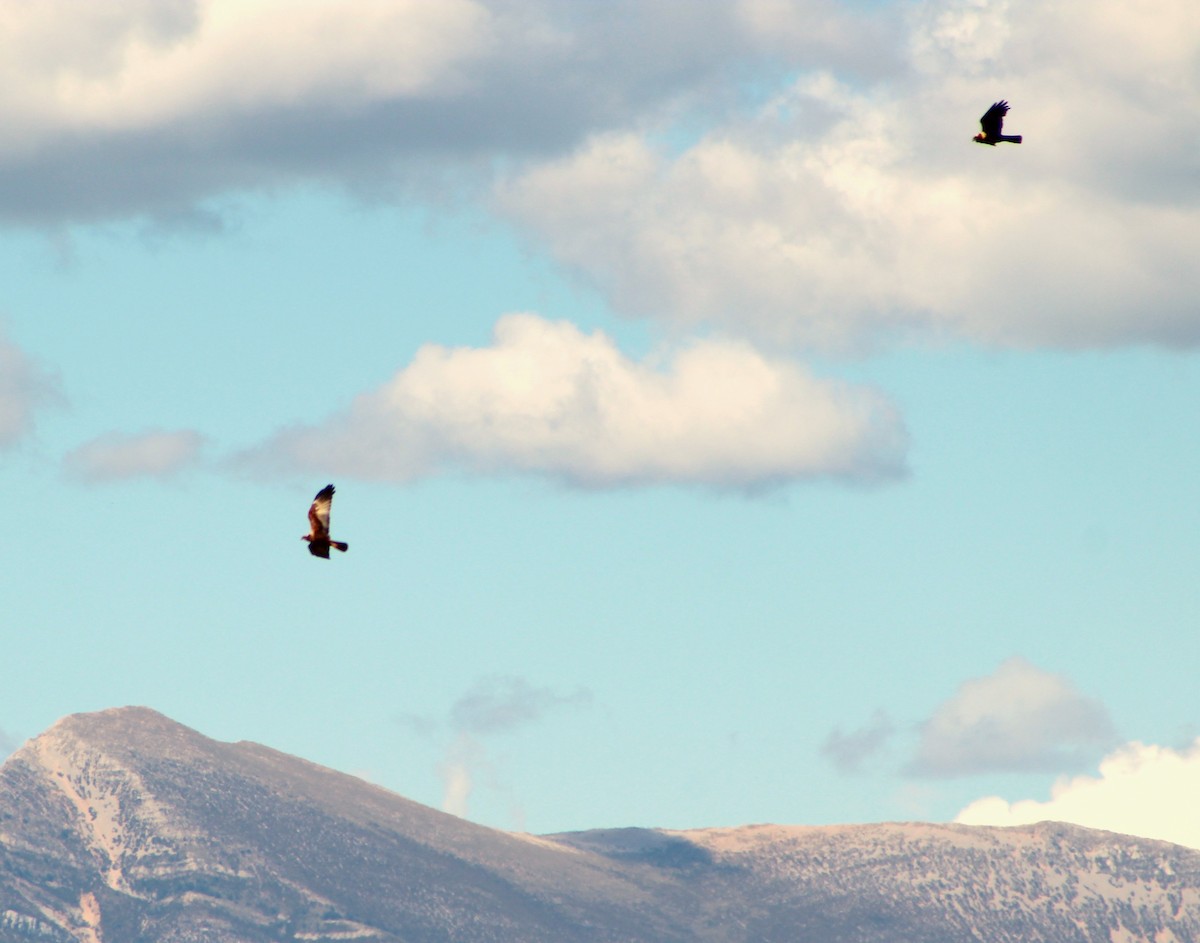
<point x="992" y="121"/>
<point x="318" y="514"/>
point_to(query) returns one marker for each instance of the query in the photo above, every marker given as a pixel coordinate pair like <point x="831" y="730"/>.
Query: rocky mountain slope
<point x="125" y="827"/>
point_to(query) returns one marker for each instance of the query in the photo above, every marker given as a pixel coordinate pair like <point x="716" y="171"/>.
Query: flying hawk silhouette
<point x="318" y="522"/>
<point x="992" y="123"/>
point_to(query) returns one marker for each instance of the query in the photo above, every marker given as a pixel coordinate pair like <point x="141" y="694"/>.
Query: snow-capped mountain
<point x="125" y="827"/>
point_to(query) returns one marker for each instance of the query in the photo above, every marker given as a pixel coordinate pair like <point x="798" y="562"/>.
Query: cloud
<point x="849" y="751"/>
<point x="116" y="456"/>
<point x="24" y="389"/>
<point x="1141" y="789"/>
<point x="791" y="171"/>
<point x="209" y="96"/>
<point x="845" y="215"/>
<point x="1017" y="719"/>
<point x="501" y="703"/>
<point x="206" y="97"/>
<point x="548" y="399"/>
<point x="494" y="705"/>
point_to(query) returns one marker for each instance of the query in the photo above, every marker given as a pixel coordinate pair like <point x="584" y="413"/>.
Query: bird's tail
<point x="339" y="545"/>
<point x="1014" y="138"/>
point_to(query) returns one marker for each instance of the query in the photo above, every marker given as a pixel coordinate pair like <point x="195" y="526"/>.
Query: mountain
<point x="125" y="827"/>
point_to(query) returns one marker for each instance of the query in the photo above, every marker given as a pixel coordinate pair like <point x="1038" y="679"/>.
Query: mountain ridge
<point x="123" y="825"/>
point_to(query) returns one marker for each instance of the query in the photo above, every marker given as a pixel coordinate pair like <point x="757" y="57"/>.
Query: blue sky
<point x="720" y="435"/>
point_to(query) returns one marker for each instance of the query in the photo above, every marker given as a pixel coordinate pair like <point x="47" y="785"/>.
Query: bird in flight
<point x="992" y="123"/>
<point x="318" y="522"/>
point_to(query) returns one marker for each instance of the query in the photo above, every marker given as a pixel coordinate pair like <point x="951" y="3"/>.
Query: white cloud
<point x="116" y="456"/>
<point x="548" y="399"/>
<point x="90" y="67"/>
<point x="1141" y="789"/>
<point x="209" y="96"/>
<point x="1019" y="718"/>
<point x="24" y="389"/>
<point x="848" y="210"/>
<point x="214" y="96"/>
<point x="825" y="31"/>
<point x="843" y="215"/>
<point x="155" y="63"/>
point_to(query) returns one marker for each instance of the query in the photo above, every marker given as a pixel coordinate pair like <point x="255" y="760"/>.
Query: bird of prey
<point x="318" y="522"/>
<point x="992" y="123"/>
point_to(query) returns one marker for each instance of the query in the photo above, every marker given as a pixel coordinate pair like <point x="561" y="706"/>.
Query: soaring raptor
<point x="318" y="522"/>
<point x="992" y="123"/>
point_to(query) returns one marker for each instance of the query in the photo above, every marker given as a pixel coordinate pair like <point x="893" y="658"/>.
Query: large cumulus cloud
<point x="794" y="171"/>
<point x="842" y="214"/>
<point x="149" y="107"/>
<point x="546" y="398"/>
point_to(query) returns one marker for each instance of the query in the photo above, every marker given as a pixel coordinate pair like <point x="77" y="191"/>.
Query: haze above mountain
<point x="125" y="827"/>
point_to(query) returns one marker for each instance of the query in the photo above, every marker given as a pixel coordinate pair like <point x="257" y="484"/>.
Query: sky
<point x="720" y="435"/>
